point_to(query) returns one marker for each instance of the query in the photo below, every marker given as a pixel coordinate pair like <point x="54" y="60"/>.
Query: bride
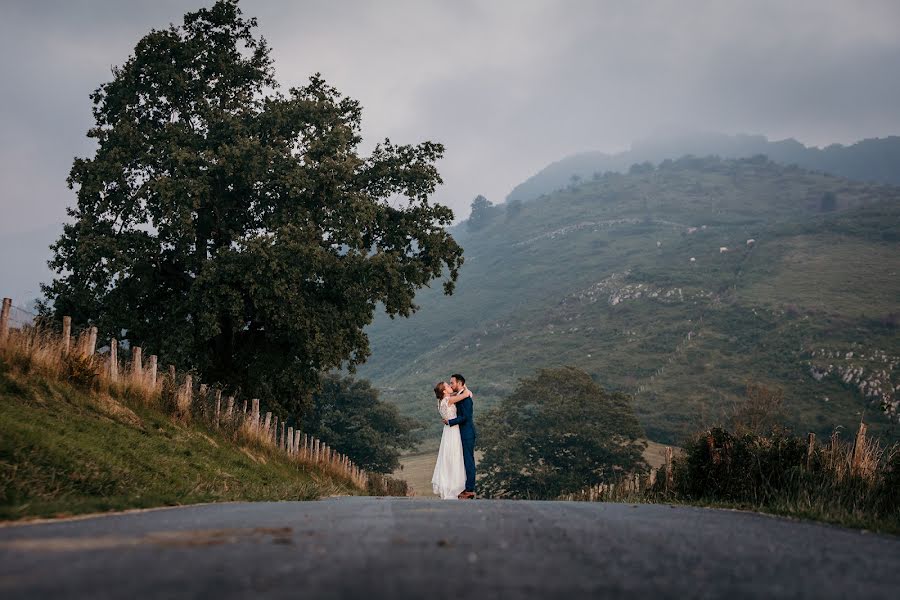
<point x="449" y="478"/>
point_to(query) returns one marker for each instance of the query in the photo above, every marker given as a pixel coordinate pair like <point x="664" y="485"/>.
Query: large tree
<point x="558" y="432"/>
<point x="348" y="415"/>
<point x="235" y="229"/>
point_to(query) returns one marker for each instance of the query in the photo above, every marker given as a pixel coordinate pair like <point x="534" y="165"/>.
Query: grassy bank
<point x="66" y="451"/>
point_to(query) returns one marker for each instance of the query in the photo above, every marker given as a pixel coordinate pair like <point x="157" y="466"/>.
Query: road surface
<point x="402" y="548"/>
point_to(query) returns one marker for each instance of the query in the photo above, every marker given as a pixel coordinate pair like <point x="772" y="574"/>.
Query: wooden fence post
<point x="151" y="374"/>
<point x="268" y="424"/>
<point x="669" y="481"/>
<point x="254" y="414"/>
<point x="137" y="368"/>
<point x="67" y="334"/>
<point x="858" y="449"/>
<point x="218" y="407"/>
<point x="229" y="411"/>
<point x="114" y="360"/>
<point x="810" y="449"/>
<point x="289" y="442"/>
<point x="4" y="319"/>
<point x="184" y="396"/>
<point x="295" y="442"/>
<point x="92" y="342"/>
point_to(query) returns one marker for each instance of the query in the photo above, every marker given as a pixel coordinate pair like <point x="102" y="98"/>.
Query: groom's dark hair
<point x="459" y="378"/>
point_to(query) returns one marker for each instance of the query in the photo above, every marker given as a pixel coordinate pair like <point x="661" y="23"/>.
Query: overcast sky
<point x="507" y="86"/>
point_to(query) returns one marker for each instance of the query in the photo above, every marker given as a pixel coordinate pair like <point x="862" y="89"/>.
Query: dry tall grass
<point x="40" y="350"/>
<point x="853" y="482"/>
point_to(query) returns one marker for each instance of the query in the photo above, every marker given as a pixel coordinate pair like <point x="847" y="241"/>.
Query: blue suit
<point x="467" y="433"/>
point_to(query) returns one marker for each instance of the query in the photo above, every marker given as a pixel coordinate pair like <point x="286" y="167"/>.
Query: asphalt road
<point x="400" y="548"/>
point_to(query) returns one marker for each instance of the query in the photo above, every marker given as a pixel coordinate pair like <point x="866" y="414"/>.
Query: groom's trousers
<point x="468" y="446"/>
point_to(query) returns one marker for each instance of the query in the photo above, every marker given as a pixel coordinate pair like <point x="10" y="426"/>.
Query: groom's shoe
<point x="467" y="496"/>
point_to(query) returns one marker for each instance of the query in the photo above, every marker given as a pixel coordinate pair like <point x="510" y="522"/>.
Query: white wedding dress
<point x="449" y="478"/>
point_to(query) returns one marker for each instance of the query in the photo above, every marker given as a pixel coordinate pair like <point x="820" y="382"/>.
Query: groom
<point x="466" y="421"/>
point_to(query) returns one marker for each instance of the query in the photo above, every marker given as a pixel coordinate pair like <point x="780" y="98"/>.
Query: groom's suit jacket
<point x="465" y="419"/>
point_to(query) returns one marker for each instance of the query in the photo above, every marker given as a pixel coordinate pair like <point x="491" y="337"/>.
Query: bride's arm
<point x="460" y="396"/>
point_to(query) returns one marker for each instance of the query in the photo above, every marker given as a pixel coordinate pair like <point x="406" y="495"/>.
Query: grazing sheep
<point x="693" y="260"/>
<point x="723" y="250"/>
<point x="751" y="241"/>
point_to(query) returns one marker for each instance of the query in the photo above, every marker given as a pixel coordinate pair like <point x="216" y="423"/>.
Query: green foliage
<point x="237" y="230"/>
<point x="556" y="433"/>
<point x="348" y="416"/>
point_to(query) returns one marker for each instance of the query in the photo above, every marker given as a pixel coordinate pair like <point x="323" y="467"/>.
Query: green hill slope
<point x="65" y="451"/>
<point x="601" y="276"/>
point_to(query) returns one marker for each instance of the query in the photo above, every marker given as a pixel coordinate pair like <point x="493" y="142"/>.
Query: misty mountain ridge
<point x="874" y="160"/>
<point x="679" y="284"/>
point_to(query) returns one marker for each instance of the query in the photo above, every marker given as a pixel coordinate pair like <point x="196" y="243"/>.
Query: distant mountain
<point x="873" y="160"/>
<point x="650" y="281"/>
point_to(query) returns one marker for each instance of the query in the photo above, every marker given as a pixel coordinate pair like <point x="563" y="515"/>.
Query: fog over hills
<point x="875" y="160"/>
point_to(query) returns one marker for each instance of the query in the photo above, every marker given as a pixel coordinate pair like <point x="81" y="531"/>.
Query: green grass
<point x="66" y="451"/>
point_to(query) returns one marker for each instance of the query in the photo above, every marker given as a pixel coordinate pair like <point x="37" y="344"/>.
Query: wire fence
<point x="21" y="317"/>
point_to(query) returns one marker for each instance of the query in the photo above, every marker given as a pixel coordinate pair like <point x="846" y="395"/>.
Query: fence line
<point x="192" y="399"/>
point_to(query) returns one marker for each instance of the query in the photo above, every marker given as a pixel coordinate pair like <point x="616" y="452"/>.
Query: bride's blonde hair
<point x="439" y="389"/>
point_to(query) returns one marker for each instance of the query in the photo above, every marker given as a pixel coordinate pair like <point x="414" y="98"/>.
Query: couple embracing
<point x="454" y="473"/>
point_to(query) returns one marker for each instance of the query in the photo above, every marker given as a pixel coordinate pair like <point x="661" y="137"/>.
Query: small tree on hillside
<point x="759" y="410"/>
<point x="556" y="433"/>
<point x="483" y="213"/>
<point x="348" y="415"/>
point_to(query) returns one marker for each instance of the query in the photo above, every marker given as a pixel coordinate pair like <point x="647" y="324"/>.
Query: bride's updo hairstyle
<point x="439" y="390"/>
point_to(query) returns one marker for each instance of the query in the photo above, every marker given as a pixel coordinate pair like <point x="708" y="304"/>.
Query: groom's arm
<point x="465" y="413"/>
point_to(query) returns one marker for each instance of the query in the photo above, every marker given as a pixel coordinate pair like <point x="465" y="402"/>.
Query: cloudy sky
<point x="507" y="86"/>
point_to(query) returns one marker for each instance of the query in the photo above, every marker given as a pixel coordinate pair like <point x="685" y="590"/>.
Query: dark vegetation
<point x="554" y="432"/>
<point x="348" y="415"/>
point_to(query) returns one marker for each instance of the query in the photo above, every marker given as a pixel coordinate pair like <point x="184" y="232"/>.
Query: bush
<point x="717" y="464"/>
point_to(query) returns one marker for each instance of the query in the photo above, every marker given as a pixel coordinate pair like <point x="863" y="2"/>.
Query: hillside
<point x="873" y="160"/>
<point x="601" y="276"/>
<point x="66" y="451"/>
